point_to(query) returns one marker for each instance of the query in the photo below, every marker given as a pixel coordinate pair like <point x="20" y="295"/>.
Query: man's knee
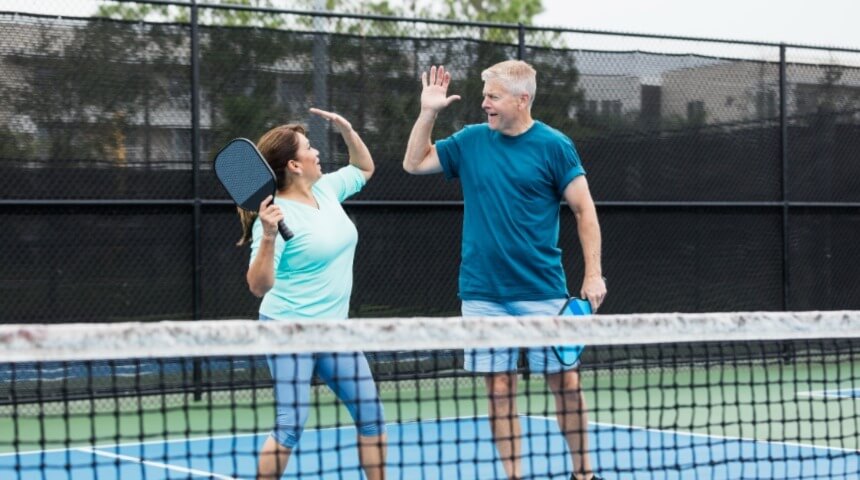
<point x="501" y="389"/>
<point x="567" y="389"/>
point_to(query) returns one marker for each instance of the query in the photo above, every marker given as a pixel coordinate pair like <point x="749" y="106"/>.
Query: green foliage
<point x="95" y="83"/>
<point x="209" y="16"/>
<point x="496" y="11"/>
<point x="491" y="11"/>
<point x="131" y="11"/>
<point x="829" y="98"/>
<point x="238" y="81"/>
<point x="558" y="93"/>
<point x="256" y="72"/>
<point x="504" y="11"/>
<point x="15" y="145"/>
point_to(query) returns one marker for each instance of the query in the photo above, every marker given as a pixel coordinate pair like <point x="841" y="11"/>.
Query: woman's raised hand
<point x="342" y="125"/>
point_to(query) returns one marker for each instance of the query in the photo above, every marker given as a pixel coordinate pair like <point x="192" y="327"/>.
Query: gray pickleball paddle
<point x="247" y="177"/>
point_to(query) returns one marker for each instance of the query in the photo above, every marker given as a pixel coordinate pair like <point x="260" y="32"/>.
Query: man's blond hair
<point x="516" y="75"/>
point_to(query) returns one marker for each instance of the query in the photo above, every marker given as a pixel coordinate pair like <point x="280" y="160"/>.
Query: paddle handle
<point x="285" y="232"/>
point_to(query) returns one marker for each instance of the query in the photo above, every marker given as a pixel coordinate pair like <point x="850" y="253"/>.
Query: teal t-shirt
<point x="512" y="190"/>
<point x="313" y="271"/>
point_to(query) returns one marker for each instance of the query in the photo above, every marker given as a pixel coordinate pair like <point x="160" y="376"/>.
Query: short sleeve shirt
<point x="512" y="190"/>
<point x="313" y="271"/>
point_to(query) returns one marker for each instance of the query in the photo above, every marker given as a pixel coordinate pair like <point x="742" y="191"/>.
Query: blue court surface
<point x="448" y="449"/>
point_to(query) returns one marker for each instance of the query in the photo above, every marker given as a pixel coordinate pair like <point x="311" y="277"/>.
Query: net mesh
<point x="729" y="395"/>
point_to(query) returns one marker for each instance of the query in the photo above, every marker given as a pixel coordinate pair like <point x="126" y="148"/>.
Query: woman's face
<point x="307" y="159"/>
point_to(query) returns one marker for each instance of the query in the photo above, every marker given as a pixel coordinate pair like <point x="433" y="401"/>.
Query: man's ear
<point x="524" y="100"/>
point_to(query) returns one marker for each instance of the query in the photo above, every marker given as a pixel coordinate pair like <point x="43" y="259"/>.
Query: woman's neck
<point x="299" y="192"/>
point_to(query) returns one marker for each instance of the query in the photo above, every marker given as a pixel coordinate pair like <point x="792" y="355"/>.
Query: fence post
<point x="319" y="130"/>
<point x="521" y="44"/>
<point x="783" y="151"/>
<point x="195" y="175"/>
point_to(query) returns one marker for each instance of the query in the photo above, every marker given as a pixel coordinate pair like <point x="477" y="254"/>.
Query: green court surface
<point x="776" y="403"/>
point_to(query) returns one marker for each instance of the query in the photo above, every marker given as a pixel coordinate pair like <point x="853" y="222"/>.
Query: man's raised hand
<point x="434" y="94"/>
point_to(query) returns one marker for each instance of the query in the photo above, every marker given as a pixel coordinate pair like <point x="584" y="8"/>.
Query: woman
<point x="310" y="277"/>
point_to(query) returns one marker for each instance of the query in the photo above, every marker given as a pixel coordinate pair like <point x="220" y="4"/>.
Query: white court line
<point x="165" y="466"/>
<point x="448" y="419"/>
<point x="131" y="444"/>
<point x="707" y="435"/>
<point x="213" y="437"/>
<point x="837" y="394"/>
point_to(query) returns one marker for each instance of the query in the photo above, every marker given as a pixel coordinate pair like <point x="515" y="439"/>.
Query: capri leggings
<point x="347" y="374"/>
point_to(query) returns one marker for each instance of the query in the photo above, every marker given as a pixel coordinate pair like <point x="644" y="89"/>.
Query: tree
<point x="14" y="145"/>
<point x="181" y="14"/>
<point x="491" y="11"/>
<point x="84" y="86"/>
<point x="249" y="63"/>
<point x="237" y="51"/>
<point x="497" y="11"/>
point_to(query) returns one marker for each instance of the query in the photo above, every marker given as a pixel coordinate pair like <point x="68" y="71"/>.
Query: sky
<point x="812" y="22"/>
<point x="808" y="22"/>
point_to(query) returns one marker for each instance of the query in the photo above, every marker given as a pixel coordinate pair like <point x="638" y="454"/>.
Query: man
<point x="514" y="171"/>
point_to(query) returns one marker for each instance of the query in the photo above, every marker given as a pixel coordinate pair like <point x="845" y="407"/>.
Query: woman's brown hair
<point x="278" y="146"/>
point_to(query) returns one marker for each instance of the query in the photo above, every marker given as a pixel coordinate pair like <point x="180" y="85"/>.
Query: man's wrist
<point x="428" y="114"/>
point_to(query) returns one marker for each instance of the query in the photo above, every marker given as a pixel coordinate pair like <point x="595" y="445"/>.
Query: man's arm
<point x="421" y="157"/>
<point x="579" y="200"/>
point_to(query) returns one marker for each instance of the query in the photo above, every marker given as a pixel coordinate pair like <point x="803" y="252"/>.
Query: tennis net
<point x="675" y="396"/>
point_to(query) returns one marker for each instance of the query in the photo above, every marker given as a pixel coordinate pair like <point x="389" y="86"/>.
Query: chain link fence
<point x="726" y="174"/>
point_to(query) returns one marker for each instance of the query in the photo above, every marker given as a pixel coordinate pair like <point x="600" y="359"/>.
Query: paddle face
<point x="246" y="176"/>
<point x="569" y="355"/>
<point x="576" y="306"/>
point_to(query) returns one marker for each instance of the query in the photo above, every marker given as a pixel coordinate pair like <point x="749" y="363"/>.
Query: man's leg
<point x="505" y="422"/>
<point x="564" y="383"/>
<point x="499" y="369"/>
<point x="572" y="418"/>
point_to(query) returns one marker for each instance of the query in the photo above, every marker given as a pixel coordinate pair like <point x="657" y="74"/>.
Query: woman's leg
<point x="348" y="375"/>
<point x="273" y="460"/>
<point x="371" y="453"/>
<point x="291" y="375"/>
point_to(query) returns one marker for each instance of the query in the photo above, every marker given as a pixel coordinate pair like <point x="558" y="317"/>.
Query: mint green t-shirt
<point x="313" y="271"/>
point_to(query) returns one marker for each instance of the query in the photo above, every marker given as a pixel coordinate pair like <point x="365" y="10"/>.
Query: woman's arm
<point x="359" y="155"/>
<point x="261" y="272"/>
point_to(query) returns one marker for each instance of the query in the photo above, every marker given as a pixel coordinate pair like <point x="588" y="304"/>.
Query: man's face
<point x="503" y="109"/>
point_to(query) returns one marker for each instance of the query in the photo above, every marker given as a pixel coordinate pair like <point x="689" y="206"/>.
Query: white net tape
<point x="58" y="342"/>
